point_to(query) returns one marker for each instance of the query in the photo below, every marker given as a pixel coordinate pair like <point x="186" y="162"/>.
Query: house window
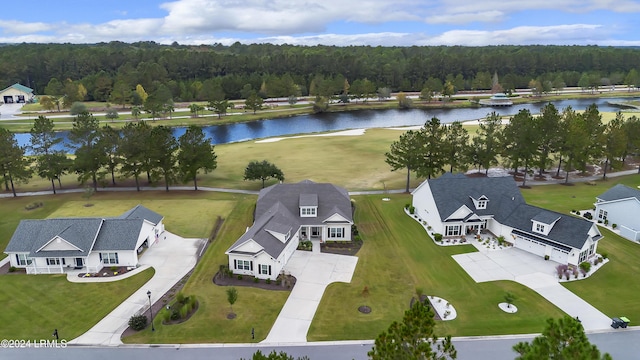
<point x="243" y="265"/>
<point x="591" y="248"/>
<point x="583" y="256"/>
<point x="602" y="214"/>
<point x="336" y="232"/>
<point x="265" y="269"/>
<point x="540" y="228"/>
<point x="482" y="204"/>
<point x="109" y="258"/>
<point x="23" y="259"/>
<point x="308" y="211"/>
<point x="453" y="230"/>
<point x="55" y="261"/>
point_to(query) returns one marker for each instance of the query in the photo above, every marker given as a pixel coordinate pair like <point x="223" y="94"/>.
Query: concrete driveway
<point x="172" y="258"/>
<point x="7" y="111"/>
<point x="535" y="273"/>
<point x="313" y="272"/>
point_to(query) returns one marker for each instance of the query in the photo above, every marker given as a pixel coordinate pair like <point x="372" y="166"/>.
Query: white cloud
<point x="463" y="18"/>
<point x="523" y="35"/>
<point x="19" y="27"/>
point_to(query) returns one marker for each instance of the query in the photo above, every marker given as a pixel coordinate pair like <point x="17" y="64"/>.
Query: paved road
<point x="621" y="344"/>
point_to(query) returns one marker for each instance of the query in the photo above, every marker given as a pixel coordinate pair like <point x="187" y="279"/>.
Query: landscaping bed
<point x="341" y="248"/>
<point x="279" y="285"/>
<point x="107" y="272"/>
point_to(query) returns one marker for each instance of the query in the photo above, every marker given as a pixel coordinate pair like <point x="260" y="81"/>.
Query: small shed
<point x="16" y="94"/>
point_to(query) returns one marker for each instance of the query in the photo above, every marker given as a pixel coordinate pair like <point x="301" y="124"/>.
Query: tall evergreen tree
<point x="90" y="157"/>
<point x="456" y="145"/>
<point x="196" y="153"/>
<point x="433" y="149"/>
<point x="109" y="141"/>
<point x="615" y="144"/>
<point x="489" y="140"/>
<point x="405" y="153"/>
<point x="547" y="126"/>
<point x="43" y="141"/>
<point x="519" y="141"/>
<point x="133" y="150"/>
<point x="14" y="167"/>
<point x="164" y="156"/>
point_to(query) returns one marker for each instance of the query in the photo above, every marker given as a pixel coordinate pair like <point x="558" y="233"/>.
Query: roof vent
<point x="513" y="198"/>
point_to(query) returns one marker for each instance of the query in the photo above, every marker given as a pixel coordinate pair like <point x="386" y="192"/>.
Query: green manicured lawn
<point x="579" y="196"/>
<point x="397" y="257"/>
<point x="34" y="305"/>
<point x="255" y="308"/>
<point x="615" y="287"/>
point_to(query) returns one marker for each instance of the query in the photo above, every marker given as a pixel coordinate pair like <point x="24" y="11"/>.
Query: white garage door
<point x="531" y="246"/>
<point x="559" y="256"/>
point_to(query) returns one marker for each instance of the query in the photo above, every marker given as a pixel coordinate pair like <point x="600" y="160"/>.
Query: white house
<point x="16" y="94"/>
<point x="457" y="205"/>
<point x="284" y="215"/>
<point x="620" y="205"/>
<point x="50" y="246"/>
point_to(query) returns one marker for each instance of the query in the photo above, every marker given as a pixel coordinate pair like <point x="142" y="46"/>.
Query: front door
<point x="79" y="262"/>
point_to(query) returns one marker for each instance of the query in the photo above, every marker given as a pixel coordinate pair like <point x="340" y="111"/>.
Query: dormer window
<point x="539" y="228"/>
<point x="482" y="204"/>
<point x="308" y="211"/>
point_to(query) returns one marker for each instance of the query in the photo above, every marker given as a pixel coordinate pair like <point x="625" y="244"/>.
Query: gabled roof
<point x="32" y="235"/>
<point x="19" y="87"/>
<point x="141" y="212"/>
<point x="85" y="234"/>
<point x="507" y="206"/>
<point x="619" y="192"/>
<point x="277" y="209"/>
<point x="451" y="192"/>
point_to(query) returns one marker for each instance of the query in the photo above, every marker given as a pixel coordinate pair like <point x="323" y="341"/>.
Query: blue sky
<point x="329" y="22"/>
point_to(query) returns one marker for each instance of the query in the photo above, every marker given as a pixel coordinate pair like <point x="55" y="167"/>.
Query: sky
<point x="327" y="22"/>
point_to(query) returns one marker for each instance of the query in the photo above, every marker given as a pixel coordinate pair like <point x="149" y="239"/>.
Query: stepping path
<point x="313" y="272"/>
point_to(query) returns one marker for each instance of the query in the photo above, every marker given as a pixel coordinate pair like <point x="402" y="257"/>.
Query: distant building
<point x="620" y="205"/>
<point x="16" y="94"/>
<point x="498" y="99"/>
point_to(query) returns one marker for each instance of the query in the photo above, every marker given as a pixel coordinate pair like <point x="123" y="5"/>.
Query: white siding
<point x="426" y="207"/>
<point x="622" y="213"/>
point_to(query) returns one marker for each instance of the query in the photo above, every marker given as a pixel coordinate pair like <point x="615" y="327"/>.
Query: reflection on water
<point x="304" y="124"/>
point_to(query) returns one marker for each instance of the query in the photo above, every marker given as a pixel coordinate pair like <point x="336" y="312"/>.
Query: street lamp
<point x="150" y="310"/>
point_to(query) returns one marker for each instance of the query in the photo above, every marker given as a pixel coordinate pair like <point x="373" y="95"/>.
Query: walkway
<point x="313" y="272"/>
<point x="535" y="273"/>
<point x="172" y="258"/>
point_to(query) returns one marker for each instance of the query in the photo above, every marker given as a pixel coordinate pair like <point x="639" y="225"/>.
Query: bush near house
<point x="585" y="265"/>
<point x="138" y="322"/>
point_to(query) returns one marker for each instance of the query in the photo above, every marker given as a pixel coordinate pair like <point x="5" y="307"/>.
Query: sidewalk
<point x="172" y="258"/>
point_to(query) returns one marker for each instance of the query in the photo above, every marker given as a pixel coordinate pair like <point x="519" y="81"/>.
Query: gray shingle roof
<point x="450" y="192"/>
<point x="619" y="192"/>
<point x="278" y="208"/>
<point x="507" y="206"/>
<point x="31" y="235"/>
<point x="142" y="213"/>
<point x="308" y="199"/>
<point x="119" y="233"/>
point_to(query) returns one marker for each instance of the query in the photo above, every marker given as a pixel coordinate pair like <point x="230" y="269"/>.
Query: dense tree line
<point x="526" y="142"/>
<point x="101" y="152"/>
<point x="113" y="71"/>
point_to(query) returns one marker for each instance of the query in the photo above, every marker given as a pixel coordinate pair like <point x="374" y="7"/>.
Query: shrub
<point x="114" y="268"/>
<point x="175" y="314"/>
<point x="584" y="273"/>
<point x="138" y="322"/>
<point x="606" y="222"/>
<point x="256" y="280"/>
<point x="407" y="205"/>
<point x="184" y="311"/>
<point x="614" y="226"/>
<point x="437" y="237"/>
<point x="268" y="281"/>
<point x="587" y="215"/>
<point x="77" y="108"/>
<point x="180" y="298"/>
<point x="239" y="277"/>
<point x="13" y="269"/>
<point x="585" y="265"/>
<point x="412" y="209"/>
<point x="605" y="255"/>
<point x="500" y="240"/>
<point x="560" y="269"/>
<point x="599" y="221"/>
<point x="546" y="257"/>
<point x="166" y="316"/>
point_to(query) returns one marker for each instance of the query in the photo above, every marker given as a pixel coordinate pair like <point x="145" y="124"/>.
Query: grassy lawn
<point x="255" y="308"/>
<point x="35" y="305"/>
<point x="614" y="288"/>
<point x="398" y="257"/>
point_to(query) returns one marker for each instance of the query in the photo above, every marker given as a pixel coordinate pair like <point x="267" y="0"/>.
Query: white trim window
<point x="482" y="204"/>
<point x="23" y="259"/>
<point x="109" y="258"/>
<point x="583" y="256"/>
<point x="539" y="228"/>
<point x="264" y="269"/>
<point x="308" y="211"/>
<point x="453" y="230"/>
<point x="336" y="233"/>
<point x="602" y="214"/>
<point x="243" y="264"/>
<point x="55" y="261"/>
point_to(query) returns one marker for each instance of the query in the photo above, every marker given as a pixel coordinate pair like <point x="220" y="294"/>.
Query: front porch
<point x="311" y="233"/>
